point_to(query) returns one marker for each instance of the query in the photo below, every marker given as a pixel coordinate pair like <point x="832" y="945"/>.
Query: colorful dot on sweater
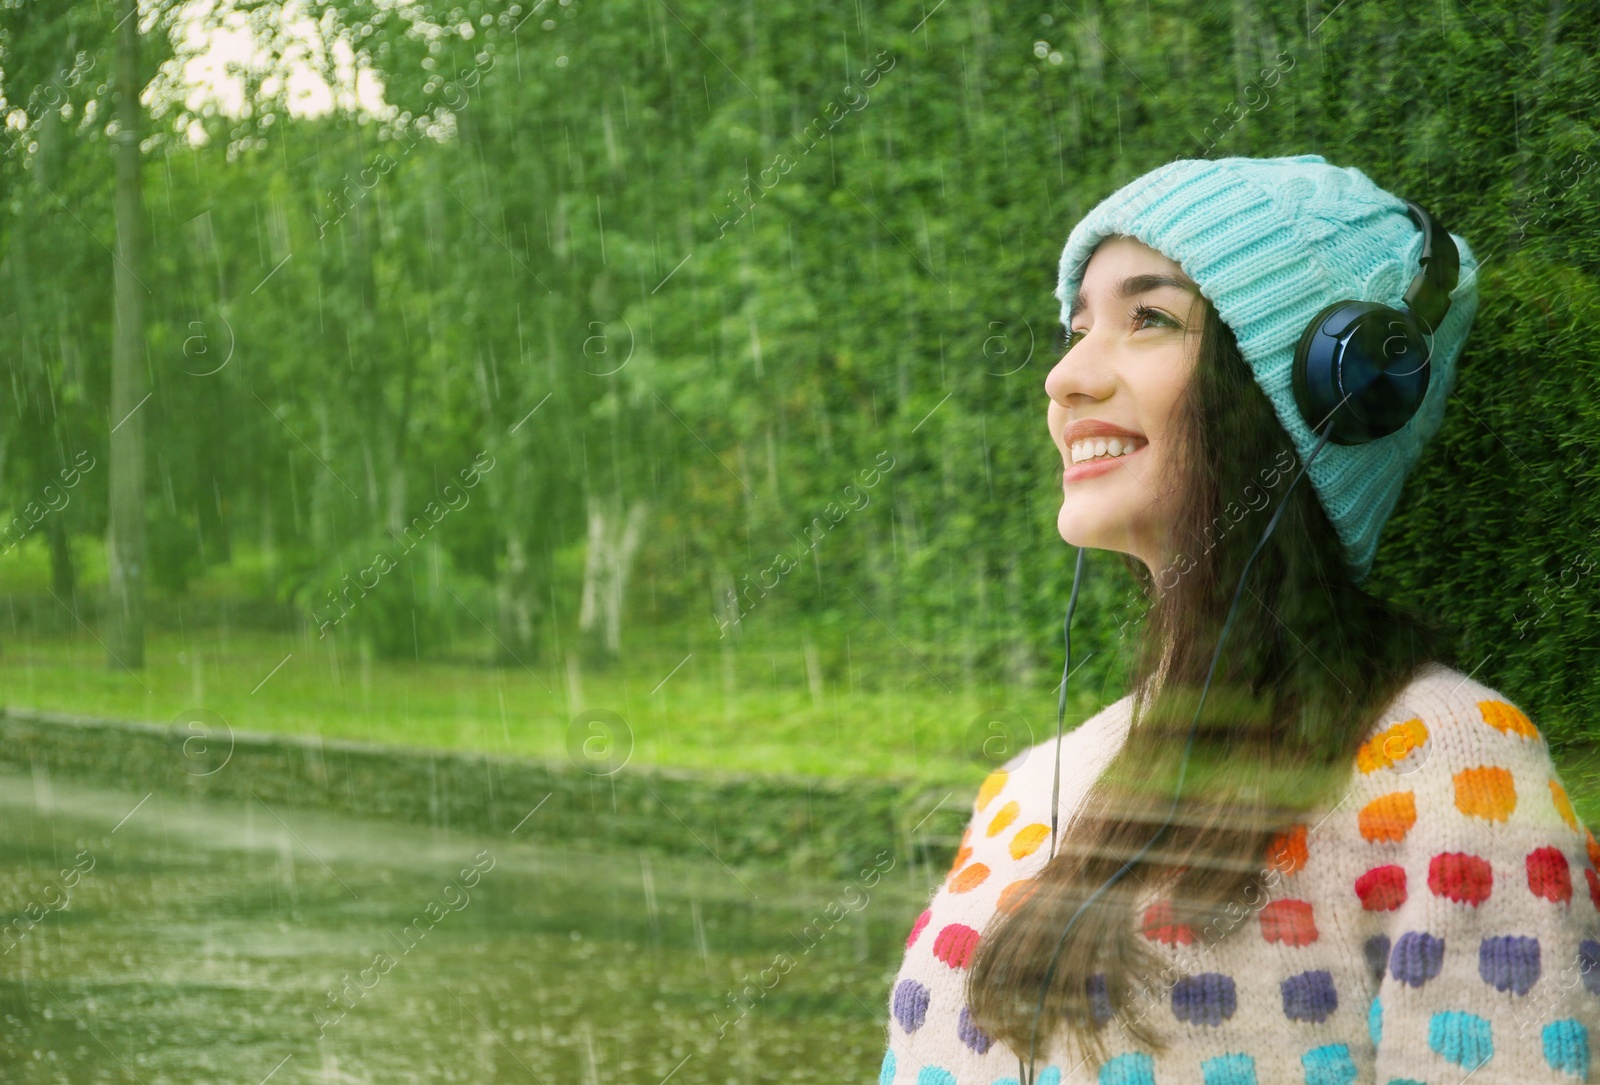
<point x="1462" y="1038"/>
<point x="1486" y="792"/>
<point x="1507" y="719"/>
<point x="1133" y="1068"/>
<point x="1309" y="996"/>
<point x="1051" y="1075"/>
<point x="1382" y="889"/>
<point x="1549" y="875"/>
<point x="962" y="855"/>
<point x="911" y="1004"/>
<point x="1028" y="839"/>
<point x="1099" y="998"/>
<point x="1289" y="922"/>
<point x="954" y="945"/>
<point x="1159" y="927"/>
<point x="1287" y="852"/>
<point x="1566" y="1048"/>
<point x="916" y="928"/>
<point x="1205" y="999"/>
<point x="1558" y="795"/>
<point x="1376" y="951"/>
<point x="1375" y="1021"/>
<point x="935" y="1075"/>
<point x="1389" y="747"/>
<point x="1594" y="886"/>
<point x="1329" y="1065"/>
<point x="1465" y="879"/>
<point x="1235" y="1068"/>
<point x="1591" y="846"/>
<point x="1416" y="958"/>
<point x="1589" y="965"/>
<point x="972" y="876"/>
<point x="1509" y="963"/>
<point x="1012" y="896"/>
<point x="971" y="1035"/>
<point x="1388" y="817"/>
<point x="1003" y="817"/>
<point x="886" y="1071"/>
<point x="991" y="786"/>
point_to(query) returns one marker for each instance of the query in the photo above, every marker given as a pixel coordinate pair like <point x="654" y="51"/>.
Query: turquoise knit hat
<point x="1271" y="241"/>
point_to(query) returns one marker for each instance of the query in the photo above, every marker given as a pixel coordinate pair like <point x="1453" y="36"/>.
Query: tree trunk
<point x="125" y="533"/>
<point x="518" y="606"/>
<point x="613" y="543"/>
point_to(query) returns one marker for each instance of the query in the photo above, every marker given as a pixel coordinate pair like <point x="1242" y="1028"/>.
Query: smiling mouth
<point x="1096" y="449"/>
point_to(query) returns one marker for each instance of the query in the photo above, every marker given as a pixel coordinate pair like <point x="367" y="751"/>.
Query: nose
<point x="1085" y="371"/>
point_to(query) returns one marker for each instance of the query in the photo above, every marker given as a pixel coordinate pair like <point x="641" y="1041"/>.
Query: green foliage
<point x="557" y="221"/>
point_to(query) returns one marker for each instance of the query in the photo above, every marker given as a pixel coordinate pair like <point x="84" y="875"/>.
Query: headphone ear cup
<point x="1366" y="365"/>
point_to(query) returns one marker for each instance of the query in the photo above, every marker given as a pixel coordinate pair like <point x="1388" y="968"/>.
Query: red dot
<point x="916" y="928"/>
<point x="1465" y="879"/>
<point x="1382" y="889"/>
<point x="955" y="944"/>
<point x="1159" y="927"/>
<point x="1594" y="886"/>
<point x="1549" y="875"/>
<point x="1289" y="922"/>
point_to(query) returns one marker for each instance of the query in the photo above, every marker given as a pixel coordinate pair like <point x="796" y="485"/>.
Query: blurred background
<point x="583" y="467"/>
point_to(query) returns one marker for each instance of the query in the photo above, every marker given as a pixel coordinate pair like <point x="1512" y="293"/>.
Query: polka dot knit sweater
<point x="1440" y="922"/>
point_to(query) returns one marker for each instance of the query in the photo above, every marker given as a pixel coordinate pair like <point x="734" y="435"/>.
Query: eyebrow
<point x="1136" y="284"/>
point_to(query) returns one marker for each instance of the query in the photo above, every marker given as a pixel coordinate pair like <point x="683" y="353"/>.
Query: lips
<point x="1090" y="439"/>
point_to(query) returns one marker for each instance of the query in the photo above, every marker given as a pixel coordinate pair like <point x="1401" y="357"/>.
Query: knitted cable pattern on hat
<point x="1271" y="242"/>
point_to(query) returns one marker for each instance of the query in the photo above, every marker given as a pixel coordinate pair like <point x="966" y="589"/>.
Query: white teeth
<point x="1092" y="448"/>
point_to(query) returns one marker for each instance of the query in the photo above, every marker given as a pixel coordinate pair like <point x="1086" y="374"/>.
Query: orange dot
<point x="991" y="787"/>
<point x="1592" y="846"/>
<point x="1012" y="896"/>
<point x="1563" y="804"/>
<point x="1287" y="852"/>
<point x="1486" y="792"/>
<point x="1388" y="817"/>
<point x="1390" y="746"/>
<point x="970" y="878"/>
<point x="1004" y="816"/>
<point x="1028" y="839"/>
<point x="961" y="856"/>
<point x="1507" y="719"/>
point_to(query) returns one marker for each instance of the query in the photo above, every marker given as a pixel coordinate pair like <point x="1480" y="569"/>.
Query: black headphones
<point x="1375" y="357"/>
<point x="1373" y="354"/>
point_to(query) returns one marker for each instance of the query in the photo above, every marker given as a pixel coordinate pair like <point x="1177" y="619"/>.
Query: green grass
<point x="743" y="709"/>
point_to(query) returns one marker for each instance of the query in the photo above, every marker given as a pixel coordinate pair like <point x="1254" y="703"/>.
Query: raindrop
<point x="1041" y="49"/>
<point x="561" y="62"/>
<point x="1055" y="57"/>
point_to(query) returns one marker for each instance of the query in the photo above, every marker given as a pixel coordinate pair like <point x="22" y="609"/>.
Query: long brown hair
<point x="1309" y="663"/>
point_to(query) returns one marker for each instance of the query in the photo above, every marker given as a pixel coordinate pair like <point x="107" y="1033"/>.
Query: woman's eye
<point x="1068" y="338"/>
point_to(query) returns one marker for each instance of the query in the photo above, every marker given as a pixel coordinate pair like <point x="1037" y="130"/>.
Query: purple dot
<point x="911" y="1004"/>
<point x="1589" y="964"/>
<point x="971" y="1035"/>
<point x="1377" y="953"/>
<point x="1417" y="958"/>
<point x="1510" y="963"/>
<point x="1099" y="998"/>
<point x="1310" y="996"/>
<point x="1206" y="999"/>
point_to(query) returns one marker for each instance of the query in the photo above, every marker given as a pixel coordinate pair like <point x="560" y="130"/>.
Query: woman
<point x="1324" y="854"/>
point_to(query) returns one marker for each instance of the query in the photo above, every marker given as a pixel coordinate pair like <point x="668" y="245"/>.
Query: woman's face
<point x="1133" y="341"/>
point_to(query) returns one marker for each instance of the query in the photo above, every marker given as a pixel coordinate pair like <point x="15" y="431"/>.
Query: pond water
<point x="151" y="939"/>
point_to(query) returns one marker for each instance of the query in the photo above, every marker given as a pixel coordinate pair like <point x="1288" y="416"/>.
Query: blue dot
<point x="1051" y="1076"/>
<point x="934" y="1075"/>
<point x="1134" y="1068"/>
<point x="1309" y="996"/>
<point x="1375" y="1022"/>
<point x="971" y="1035"/>
<point x="1099" y="998"/>
<point x="1416" y="958"/>
<point x="1005" y="1081"/>
<point x="1231" y="1069"/>
<point x="1330" y="1065"/>
<point x="1509" y="963"/>
<point x="911" y="1004"/>
<point x="1463" y="1038"/>
<point x="1566" y="1048"/>
<point x="1205" y="999"/>
<point x="1589" y="964"/>
<point x="1376" y="950"/>
<point x="886" y="1072"/>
